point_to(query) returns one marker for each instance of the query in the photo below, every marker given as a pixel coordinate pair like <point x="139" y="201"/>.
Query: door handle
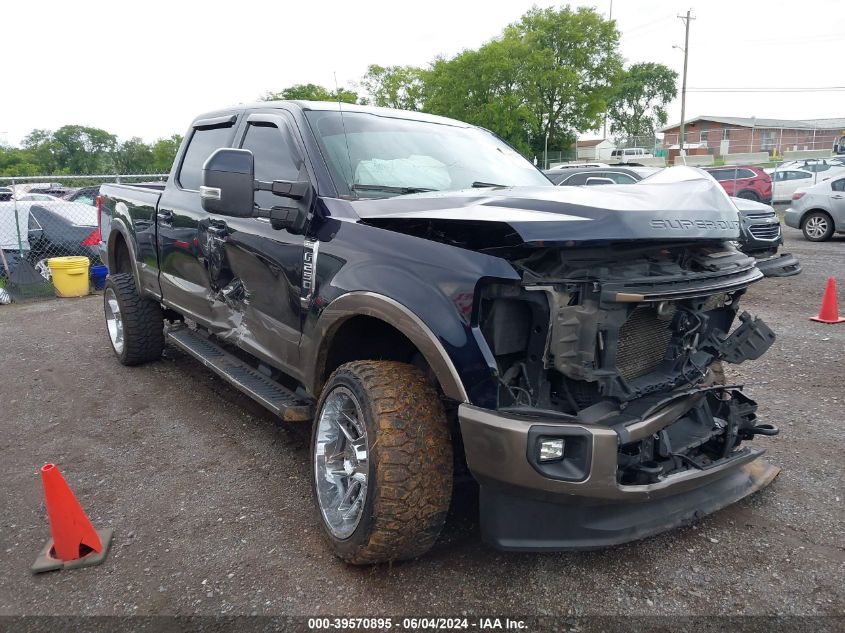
<point x="165" y="217"/>
<point x="837" y="197"/>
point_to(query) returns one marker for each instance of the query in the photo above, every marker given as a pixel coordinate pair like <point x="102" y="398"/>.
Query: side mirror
<point x="228" y="183"/>
<point x="595" y="180"/>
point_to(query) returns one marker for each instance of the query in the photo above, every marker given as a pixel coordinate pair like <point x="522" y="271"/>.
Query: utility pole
<point x="609" y="18"/>
<point x="686" y="19"/>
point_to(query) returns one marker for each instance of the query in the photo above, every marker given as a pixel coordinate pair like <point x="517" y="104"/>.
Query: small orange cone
<point x="829" y="312"/>
<point x="75" y="542"/>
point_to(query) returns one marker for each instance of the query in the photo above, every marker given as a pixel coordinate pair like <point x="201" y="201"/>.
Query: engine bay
<point x="633" y="338"/>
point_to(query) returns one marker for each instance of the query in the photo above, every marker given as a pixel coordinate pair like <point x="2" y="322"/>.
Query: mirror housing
<point x="596" y="180"/>
<point x="228" y="183"/>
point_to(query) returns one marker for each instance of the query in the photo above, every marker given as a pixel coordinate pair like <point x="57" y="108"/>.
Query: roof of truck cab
<point x="334" y="106"/>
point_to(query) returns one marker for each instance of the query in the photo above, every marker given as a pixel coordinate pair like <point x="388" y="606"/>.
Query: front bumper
<point x="523" y="508"/>
<point x="784" y="265"/>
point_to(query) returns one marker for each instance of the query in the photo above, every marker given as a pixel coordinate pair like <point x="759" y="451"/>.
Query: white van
<point x="630" y="154"/>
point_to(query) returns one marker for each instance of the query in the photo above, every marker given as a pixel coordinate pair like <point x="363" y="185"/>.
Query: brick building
<point x="719" y="135"/>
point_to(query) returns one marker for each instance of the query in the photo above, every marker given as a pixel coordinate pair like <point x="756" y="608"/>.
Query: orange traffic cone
<point x="75" y="542"/>
<point x="829" y="312"/>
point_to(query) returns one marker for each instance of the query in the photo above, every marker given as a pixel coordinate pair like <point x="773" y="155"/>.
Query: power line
<point x="765" y="89"/>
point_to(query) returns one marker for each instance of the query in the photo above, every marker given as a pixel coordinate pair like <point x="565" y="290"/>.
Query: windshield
<point x="381" y="156"/>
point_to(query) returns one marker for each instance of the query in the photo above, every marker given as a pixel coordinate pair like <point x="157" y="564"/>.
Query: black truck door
<point x="183" y="261"/>
<point x="256" y="269"/>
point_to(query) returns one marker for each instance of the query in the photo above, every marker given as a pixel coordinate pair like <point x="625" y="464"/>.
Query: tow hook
<point x="648" y="471"/>
<point x="762" y="429"/>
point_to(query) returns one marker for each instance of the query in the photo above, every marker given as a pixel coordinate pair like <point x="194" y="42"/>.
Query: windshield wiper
<point x="478" y="184"/>
<point x="388" y="188"/>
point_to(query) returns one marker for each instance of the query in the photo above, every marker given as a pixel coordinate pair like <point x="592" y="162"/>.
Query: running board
<point x="266" y="392"/>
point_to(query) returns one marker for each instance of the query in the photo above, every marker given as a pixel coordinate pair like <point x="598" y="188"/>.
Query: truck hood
<point x="679" y="203"/>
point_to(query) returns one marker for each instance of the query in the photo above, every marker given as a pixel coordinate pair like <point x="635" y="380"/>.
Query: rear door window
<point x="204" y="142"/>
<point x="579" y="179"/>
<point x="619" y="178"/>
<point x="838" y="185"/>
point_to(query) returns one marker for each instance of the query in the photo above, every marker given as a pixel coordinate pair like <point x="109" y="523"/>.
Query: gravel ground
<point x="212" y="508"/>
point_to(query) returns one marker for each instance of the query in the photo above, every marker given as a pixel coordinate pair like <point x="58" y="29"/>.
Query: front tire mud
<point x="409" y="455"/>
<point x="135" y="324"/>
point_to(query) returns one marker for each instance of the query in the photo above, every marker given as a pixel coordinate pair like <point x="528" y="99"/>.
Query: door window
<point x="578" y="179"/>
<point x="204" y="142"/>
<point x="619" y="178"/>
<point x="275" y="159"/>
<point x="838" y="185"/>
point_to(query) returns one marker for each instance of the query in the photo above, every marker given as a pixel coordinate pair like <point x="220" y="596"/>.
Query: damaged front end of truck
<point x="613" y="420"/>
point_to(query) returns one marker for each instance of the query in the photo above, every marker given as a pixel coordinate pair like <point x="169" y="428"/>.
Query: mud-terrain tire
<point x="408" y="465"/>
<point x="135" y="324"/>
<point x="817" y="226"/>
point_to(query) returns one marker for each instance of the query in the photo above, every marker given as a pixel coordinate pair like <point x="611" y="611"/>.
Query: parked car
<point x="819" y="211"/>
<point x="57" y="232"/>
<point x="814" y="165"/>
<point x="50" y="227"/>
<point x="84" y="195"/>
<point x="785" y="182"/>
<point x="422" y="293"/>
<point x="760" y="231"/>
<point x="6" y="194"/>
<point x="630" y="154"/>
<point x="749" y="182"/>
<point x="620" y="175"/>
<point x="577" y="166"/>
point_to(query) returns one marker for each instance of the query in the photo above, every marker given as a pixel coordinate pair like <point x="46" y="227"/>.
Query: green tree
<point x="551" y="73"/>
<point x="395" y="86"/>
<point x="18" y="162"/>
<point x="567" y="71"/>
<point x="478" y="87"/>
<point x="312" y="92"/>
<point x="41" y="149"/>
<point x="164" y="153"/>
<point x="83" y="150"/>
<point x="638" y="104"/>
<point x="134" y="157"/>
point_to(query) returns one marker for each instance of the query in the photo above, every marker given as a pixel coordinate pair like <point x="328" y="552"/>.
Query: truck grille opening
<point x="643" y="340"/>
<point x="764" y="232"/>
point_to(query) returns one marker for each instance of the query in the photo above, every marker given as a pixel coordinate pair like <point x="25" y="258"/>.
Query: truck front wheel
<point x="381" y="456"/>
<point x="135" y="324"/>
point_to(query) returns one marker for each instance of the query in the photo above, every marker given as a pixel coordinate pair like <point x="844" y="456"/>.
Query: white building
<point x="595" y="149"/>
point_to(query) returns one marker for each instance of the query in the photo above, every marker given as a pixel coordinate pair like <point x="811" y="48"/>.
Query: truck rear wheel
<point x="135" y="324"/>
<point x="381" y="457"/>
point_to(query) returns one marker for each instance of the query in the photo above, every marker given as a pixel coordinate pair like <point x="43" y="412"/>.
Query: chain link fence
<point x="45" y="217"/>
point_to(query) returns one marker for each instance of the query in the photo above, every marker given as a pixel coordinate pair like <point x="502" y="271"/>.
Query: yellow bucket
<point x="70" y="276"/>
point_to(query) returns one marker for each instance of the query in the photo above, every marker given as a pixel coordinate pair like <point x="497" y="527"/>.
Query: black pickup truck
<point x="437" y="309"/>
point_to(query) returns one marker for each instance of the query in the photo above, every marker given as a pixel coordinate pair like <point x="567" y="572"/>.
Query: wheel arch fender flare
<point x="119" y="231"/>
<point x="393" y="313"/>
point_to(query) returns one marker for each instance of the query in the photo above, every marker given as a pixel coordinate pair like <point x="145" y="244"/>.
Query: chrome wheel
<point x="816" y="227"/>
<point x="341" y="462"/>
<point x="114" y="321"/>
